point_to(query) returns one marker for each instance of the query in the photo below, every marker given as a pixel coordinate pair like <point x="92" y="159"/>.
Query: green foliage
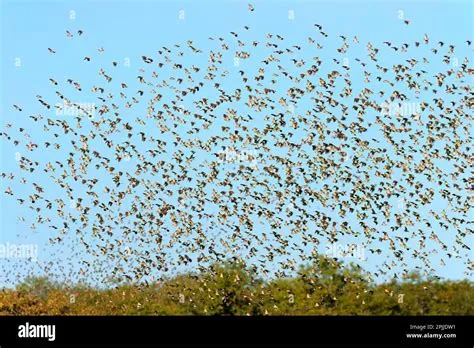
<point x="325" y="287"/>
<point x="38" y="286"/>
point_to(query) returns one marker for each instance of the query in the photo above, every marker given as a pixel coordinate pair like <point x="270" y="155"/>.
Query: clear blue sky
<point x="130" y="29"/>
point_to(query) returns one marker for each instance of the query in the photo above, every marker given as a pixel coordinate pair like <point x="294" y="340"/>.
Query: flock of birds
<point x="370" y="153"/>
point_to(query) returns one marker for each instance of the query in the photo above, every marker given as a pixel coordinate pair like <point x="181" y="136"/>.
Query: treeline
<point x="326" y="287"/>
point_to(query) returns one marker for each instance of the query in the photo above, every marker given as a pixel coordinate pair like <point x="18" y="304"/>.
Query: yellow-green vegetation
<point x="323" y="288"/>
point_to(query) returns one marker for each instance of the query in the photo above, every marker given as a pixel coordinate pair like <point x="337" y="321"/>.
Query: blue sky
<point x="128" y="29"/>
